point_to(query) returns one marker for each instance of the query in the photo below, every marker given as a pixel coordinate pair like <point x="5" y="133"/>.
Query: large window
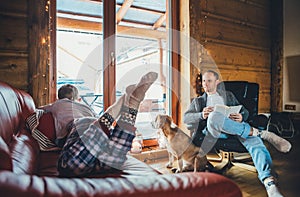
<point x="102" y="58"/>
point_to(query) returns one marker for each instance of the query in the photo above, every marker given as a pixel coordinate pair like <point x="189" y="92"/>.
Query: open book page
<point x="227" y="110"/>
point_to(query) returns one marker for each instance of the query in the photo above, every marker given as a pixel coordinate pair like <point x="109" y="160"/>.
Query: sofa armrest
<point x="184" y="184"/>
<point x="5" y="158"/>
<point x="24" y="153"/>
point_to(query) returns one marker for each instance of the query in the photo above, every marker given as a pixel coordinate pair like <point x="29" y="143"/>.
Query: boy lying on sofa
<point x="89" y="144"/>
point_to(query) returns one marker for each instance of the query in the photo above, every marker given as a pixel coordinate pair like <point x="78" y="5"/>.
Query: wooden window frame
<point x="109" y="54"/>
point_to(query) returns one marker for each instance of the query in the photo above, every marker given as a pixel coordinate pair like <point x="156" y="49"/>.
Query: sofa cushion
<point x="6" y="162"/>
<point x="48" y="163"/>
<point x="131" y="168"/>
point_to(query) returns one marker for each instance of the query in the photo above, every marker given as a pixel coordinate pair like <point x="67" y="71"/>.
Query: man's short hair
<point x="214" y="73"/>
<point x="68" y="91"/>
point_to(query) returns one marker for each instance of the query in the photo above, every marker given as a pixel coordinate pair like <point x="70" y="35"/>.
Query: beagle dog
<point x="189" y="157"/>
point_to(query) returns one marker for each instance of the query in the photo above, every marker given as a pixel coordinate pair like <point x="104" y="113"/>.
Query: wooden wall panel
<point x="39" y="47"/>
<point x="14" y="43"/>
<point x="264" y="103"/>
<point x="227" y="30"/>
<point x="14" y="6"/>
<point x="15" y="71"/>
<point x="24" y="47"/>
<point x="13" y="63"/>
<point x="226" y="54"/>
<point x="236" y="38"/>
<point x="244" y="12"/>
<point x="14" y="36"/>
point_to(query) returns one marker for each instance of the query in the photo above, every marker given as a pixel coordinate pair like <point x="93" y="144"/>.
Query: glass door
<point x="141" y="47"/>
<point x="79" y="49"/>
<point x="108" y="44"/>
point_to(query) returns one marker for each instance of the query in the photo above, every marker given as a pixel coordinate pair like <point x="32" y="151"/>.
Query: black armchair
<point x="230" y="152"/>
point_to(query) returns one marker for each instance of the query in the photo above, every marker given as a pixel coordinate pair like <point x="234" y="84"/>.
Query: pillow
<point x="46" y="126"/>
<point x="41" y="125"/>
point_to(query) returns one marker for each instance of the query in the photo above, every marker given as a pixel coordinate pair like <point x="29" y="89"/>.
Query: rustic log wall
<point x="236" y="35"/>
<point x="25" y="47"/>
<point x="40" y="70"/>
<point x="14" y="43"/>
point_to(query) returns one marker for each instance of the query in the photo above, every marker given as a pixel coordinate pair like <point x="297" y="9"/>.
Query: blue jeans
<point x="219" y="126"/>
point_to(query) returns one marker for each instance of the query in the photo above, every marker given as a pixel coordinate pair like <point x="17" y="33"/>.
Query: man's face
<point x="209" y="83"/>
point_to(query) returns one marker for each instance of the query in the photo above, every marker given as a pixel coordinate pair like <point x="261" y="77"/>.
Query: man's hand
<point x="236" y="117"/>
<point x="206" y="111"/>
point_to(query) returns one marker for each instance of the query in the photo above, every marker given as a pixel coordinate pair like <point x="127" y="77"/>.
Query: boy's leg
<point x="125" y="109"/>
<point x="122" y="134"/>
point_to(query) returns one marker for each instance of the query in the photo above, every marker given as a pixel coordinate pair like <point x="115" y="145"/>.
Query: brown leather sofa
<point x="27" y="171"/>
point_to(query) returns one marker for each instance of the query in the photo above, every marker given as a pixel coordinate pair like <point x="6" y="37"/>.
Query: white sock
<point x="272" y="189"/>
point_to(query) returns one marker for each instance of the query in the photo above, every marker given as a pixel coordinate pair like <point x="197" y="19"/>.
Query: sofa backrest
<point x="18" y="149"/>
<point x="15" y="106"/>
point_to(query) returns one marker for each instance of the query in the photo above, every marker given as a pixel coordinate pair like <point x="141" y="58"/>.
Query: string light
<point x="205" y="21"/>
<point x="47" y="6"/>
<point x="44" y="40"/>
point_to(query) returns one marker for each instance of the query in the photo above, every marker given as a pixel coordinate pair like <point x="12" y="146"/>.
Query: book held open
<point x="227" y="110"/>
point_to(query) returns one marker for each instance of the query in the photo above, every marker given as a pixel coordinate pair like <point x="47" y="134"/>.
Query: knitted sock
<point x="271" y="187"/>
<point x="278" y="142"/>
<point x="106" y="122"/>
<point x="127" y="118"/>
<point x="114" y="110"/>
<point x="136" y="93"/>
<point x="133" y="97"/>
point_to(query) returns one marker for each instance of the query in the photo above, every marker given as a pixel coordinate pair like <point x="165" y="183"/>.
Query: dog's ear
<point x="170" y="122"/>
<point x="168" y="119"/>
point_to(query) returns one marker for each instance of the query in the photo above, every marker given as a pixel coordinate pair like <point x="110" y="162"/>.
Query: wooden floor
<point x="287" y="167"/>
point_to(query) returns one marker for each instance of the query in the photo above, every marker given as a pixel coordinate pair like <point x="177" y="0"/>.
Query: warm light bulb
<point x="43" y="40"/>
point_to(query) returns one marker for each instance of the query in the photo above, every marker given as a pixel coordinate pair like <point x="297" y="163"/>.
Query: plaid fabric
<point x="32" y="123"/>
<point x="88" y="149"/>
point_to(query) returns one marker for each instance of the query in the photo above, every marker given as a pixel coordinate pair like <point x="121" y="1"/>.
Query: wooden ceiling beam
<point x="123" y="10"/>
<point x="69" y="23"/>
<point x="139" y="32"/>
<point x="159" y="22"/>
